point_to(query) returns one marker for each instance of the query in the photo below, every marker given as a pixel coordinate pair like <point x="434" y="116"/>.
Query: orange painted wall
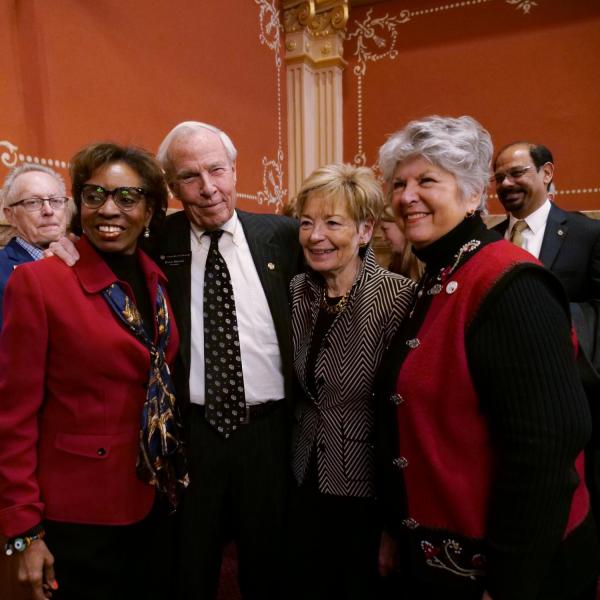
<point x="524" y="75"/>
<point x="77" y="71"/>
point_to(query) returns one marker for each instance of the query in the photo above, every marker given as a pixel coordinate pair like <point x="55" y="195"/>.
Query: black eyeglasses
<point x="513" y="174"/>
<point x="126" y="198"/>
<point x="34" y="204"/>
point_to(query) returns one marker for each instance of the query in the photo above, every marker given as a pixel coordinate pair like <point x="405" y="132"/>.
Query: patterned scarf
<point x="161" y="461"/>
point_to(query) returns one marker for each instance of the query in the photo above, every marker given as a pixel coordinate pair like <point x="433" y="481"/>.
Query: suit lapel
<point x="268" y="260"/>
<point x="556" y="233"/>
<point x="175" y="260"/>
<point x="17" y="253"/>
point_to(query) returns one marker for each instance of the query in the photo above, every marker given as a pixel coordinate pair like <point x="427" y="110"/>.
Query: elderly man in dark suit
<point x="229" y="273"/>
<point x="34" y="202"/>
<point x="567" y="243"/>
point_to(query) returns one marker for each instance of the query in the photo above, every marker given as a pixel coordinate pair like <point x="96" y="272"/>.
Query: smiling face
<point x="203" y="178"/>
<point x="330" y="237"/>
<point x="43" y="226"/>
<point x="109" y="228"/>
<point x="428" y="201"/>
<point x="523" y="194"/>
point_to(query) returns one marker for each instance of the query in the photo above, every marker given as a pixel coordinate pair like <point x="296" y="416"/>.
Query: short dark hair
<point x="540" y="155"/>
<point x="94" y="156"/>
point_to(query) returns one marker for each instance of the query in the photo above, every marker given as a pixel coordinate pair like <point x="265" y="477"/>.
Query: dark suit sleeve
<point x="586" y="313"/>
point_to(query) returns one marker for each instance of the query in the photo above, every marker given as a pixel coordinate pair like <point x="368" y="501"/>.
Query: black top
<point x="523" y="368"/>
<point x="127" y="268"/>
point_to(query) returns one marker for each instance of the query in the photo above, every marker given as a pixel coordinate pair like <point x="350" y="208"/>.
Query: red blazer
<point x="72" y="385"/>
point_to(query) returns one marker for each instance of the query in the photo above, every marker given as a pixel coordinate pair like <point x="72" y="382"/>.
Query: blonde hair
<point x="356" y="186"/>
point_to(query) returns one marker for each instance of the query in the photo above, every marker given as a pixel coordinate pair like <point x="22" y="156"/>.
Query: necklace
<point x="436" y="282"/>
<point x="333" y="309"/>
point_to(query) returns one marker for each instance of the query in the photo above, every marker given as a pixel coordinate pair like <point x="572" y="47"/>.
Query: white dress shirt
<point x="533" y="234"/>
<point x="261" y="358"/>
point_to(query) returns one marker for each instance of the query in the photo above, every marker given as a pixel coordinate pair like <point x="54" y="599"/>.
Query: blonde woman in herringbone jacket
<point x="345" y="309"/>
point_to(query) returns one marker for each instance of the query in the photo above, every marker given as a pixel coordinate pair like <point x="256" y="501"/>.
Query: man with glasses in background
<point x="34" y="202"/>
<point x="568" y="244"/>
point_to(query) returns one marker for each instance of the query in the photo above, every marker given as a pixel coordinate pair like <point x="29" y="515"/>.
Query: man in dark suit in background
<point x="34" y="202"/>
<point x="567" y="243"/>
<point x="239" y="477"/>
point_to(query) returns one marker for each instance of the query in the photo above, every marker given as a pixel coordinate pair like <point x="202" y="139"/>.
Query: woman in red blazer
<point x="88" y="423"/>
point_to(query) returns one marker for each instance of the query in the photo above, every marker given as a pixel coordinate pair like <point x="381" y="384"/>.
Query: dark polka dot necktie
<point x="225" y="403"/>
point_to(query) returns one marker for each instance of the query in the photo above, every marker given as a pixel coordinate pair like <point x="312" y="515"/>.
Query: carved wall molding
<point x="374" y="39"/>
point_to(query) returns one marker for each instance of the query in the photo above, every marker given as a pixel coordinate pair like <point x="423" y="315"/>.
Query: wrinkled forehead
<point x="514" y="156"/>
<point x="318" y="204"/>
<point x="197" y="148"/>
<point x="36" y="183"/>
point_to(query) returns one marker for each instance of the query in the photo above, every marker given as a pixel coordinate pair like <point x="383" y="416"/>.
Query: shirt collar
<point x="34" y="251"/>
<point x="232" y="227"/>
<point x="536" y="220"/>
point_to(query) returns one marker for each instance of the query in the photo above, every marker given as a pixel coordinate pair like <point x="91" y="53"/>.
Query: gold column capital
<point x="319" y="17"/>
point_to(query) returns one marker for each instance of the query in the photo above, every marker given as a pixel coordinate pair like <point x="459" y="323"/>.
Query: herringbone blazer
<point x="338" y="424"/>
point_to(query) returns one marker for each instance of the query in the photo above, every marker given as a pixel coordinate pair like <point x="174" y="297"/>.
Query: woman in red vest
<point x="483" y="417"/>
<point x="88" y="422"/>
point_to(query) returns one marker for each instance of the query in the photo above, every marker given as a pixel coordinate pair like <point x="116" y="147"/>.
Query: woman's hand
<point x="35" y="569"/>
<point x="65" y="249"/>
<point x="388" y="555"/>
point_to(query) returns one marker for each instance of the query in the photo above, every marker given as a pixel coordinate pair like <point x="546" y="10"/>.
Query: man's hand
<point x="388" y="555"/>
<point x="35" y="570"/>
<point x="64" y="249"/>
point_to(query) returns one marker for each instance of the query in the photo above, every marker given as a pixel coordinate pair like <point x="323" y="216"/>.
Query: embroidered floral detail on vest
<point x="449" y="556"/>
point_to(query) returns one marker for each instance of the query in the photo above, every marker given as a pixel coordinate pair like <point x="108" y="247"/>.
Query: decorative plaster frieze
<point x="375" y="39"/>
<point x="273" y="191"/>
<point x="10" y="157"/>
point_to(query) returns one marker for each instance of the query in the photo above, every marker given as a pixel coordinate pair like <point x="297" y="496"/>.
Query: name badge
<point x="176" y="260"/>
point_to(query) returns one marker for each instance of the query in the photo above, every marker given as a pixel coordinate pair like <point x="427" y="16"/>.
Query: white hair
<point x="6" y="192"/>
<point x="460" y="146"/>
<point x="188" y="128"/>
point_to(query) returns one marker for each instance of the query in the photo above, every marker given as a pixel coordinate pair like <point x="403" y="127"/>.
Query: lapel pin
<point x="271" y="266"/>
<point x="451" y="287"/>
<point x="560" y="232"/>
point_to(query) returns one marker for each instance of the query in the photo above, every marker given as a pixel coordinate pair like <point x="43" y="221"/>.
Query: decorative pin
<point x="560" y="232"/>
<point x="396" y="399"/>
<point x="271" y="266"/>
<point x="436" y="289"/>
<point x="401" y="462"/>
<point x="451" y="287"/>
<point x="410" y="523"/>
<point x="413" y="343"/>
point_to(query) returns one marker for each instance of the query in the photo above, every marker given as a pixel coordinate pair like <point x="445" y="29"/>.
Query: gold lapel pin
<point x="271" y="266"/>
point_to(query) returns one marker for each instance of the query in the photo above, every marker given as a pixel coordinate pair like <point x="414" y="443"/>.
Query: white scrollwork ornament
<point x="524" y="5"/>
<point x="270" y="25"/>
<point x="376" y="38"/>
<point x="273" y="191"/>
<point x="9" y="156"/>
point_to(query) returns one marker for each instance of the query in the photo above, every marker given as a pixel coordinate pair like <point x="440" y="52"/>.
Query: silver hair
<point x="9" y="183"/>
<point x="461" y="146"/>
<point x="188" y="128"/>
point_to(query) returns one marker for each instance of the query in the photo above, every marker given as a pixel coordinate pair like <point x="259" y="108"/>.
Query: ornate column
<point x="314" y="31"/>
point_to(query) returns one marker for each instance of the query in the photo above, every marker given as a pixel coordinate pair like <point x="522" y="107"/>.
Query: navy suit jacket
<point x="273" y="242"/>
<point x="571" y="250"/>
<point x="11" y="255"/>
